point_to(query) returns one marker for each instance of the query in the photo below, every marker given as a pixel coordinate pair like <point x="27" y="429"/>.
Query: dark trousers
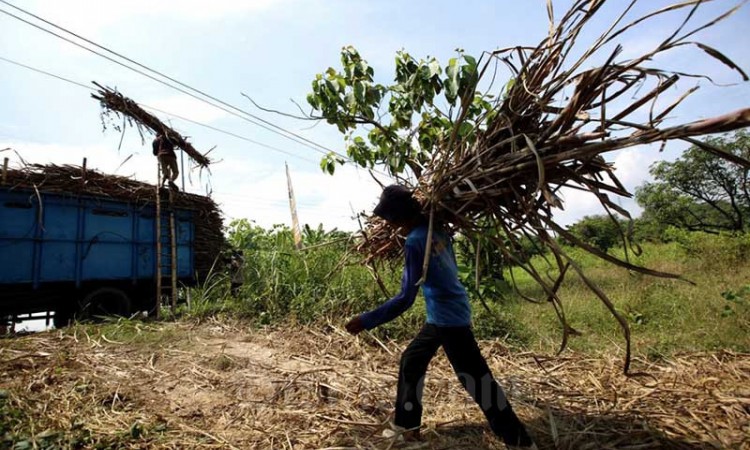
<point x="472" y="370"/>
<point x="169" y="168"/>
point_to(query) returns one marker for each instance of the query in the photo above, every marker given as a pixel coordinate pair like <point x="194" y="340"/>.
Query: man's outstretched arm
<point x="398" y="304"/>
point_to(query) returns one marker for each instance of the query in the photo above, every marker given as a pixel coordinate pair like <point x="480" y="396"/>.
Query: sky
<point x="270" y="50"/>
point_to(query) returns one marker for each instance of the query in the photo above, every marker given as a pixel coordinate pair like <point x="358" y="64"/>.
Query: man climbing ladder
<point x="163" y="149"/>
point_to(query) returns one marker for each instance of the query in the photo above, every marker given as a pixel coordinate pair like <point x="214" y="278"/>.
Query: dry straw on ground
<point x="170" y="386"/>
<point x="71" y="180"/>
<point x="569" y="104"/>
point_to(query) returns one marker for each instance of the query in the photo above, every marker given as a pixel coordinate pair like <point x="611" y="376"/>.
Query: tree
<point x="647" y="228"/>
<point x="700" y="191"/>
<point x="600" y="231"/>
<point x="399" y="125"/>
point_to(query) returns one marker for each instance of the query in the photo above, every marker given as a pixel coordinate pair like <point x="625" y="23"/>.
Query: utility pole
<point x="293" y="207"/>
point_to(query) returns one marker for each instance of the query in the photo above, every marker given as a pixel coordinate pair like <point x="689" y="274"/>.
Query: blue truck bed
<point x="53" y="243"/>
<point x="81" y="239"/>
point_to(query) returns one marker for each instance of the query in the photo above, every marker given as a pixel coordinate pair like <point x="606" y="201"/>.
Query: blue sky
<point x="271" y="50"/>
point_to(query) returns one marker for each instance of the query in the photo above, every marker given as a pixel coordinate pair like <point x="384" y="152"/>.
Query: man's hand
<point x="355" y="326"/>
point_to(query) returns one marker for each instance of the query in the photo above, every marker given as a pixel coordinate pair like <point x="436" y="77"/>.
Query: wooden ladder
<point x="166" y="260"/>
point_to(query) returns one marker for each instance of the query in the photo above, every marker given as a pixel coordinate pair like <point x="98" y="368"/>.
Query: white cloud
<point x="631" y="168"/>
<point x="576" y="204"/>
<point x="189" y="108"/>
<point x="631" y="165"/>
<point x="320" y="198"/>
<point x="196" y="9"/>
<point x="246" y="188"/>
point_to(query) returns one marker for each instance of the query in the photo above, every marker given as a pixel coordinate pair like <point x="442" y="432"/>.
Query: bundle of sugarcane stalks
<point x="113" y="102"/>
<point x="548" y="130"/>
<point x="71" y="180"/>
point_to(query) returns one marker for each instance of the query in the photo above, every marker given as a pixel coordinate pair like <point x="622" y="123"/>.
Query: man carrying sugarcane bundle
<point x="163" y="149"/>
<point x="448" y="325"/>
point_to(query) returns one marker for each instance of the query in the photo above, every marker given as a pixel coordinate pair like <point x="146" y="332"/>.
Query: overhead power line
<point x="233" y="110"/>
<point x="270" y="126"/>
<point x="43" y="72"/>
<point x="229" y="133"/>
<point x="219" y="130"/>
<point x="266" y="204"/>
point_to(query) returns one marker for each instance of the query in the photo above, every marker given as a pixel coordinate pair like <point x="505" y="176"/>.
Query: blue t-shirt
<point x="445" y="296"/>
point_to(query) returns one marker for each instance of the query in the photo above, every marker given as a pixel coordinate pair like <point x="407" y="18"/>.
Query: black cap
<point x="397" y="204"/>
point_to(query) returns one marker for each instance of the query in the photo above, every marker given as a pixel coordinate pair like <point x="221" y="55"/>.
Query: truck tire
<point x="63" y="316"/>
<point x="104" y="302"/>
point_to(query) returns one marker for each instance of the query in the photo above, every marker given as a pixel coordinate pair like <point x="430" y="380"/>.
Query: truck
<point x="82" y="244"/>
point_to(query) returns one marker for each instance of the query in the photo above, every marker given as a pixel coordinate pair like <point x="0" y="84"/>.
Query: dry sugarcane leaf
<point x="542" y="137"/>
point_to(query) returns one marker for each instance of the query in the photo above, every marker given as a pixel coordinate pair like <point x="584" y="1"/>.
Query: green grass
<point x="666" y="316"/>
<point x="133" y="332"/>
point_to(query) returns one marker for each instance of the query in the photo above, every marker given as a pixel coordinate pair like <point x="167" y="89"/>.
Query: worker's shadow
<point x="574" y="431"/>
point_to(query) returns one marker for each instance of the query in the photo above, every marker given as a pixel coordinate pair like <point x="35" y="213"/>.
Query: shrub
<point x="725" y="248"/>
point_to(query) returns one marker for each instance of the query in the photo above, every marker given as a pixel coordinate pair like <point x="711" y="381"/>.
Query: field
<point x="220" y="385"/>
<point x="710" y="312"/>
<point x="274" y="368"/>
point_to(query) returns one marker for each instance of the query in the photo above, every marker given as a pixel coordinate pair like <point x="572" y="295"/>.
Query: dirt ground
<point x="218" y="385"/>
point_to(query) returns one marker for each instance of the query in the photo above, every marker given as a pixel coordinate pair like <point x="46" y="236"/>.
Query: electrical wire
<point x="229" y="133"/>
<point x="46" y="73"/>
<point x="267" y="204"/>
<point x="257" y="204"/>
<point x="235" y="111"/>
<point x="270" y="126"/>
<point x="219" y="130"/>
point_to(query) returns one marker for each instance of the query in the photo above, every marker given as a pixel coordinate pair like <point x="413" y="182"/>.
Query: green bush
<point x="324" y="284"/>
<point x="500" y="320"/>
<point x="723" y="248"/>
<point x="319" y="282"/>
<point x="600" y="231"/>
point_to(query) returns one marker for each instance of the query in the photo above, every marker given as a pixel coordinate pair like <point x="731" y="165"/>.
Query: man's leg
<point x="414" y="362"/>
<point x="472" y="370"/>
<point x="164" y="169"/>
<point x="174" y="168"/>
<point x="171" y="163"/>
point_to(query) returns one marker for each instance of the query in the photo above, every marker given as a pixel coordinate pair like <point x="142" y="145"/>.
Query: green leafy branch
<point x="414" y="126"/>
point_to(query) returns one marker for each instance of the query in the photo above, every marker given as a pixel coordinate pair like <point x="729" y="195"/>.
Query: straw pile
<point x="501" y="182"/>
<point x="113" y="102"/>
<point x="169" y="386"/>
<point x="78" y="181"/>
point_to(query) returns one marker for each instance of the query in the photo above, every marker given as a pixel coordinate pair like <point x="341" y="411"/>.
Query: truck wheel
<point x="63" y="316"/>
<point x="104" y="302"/>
